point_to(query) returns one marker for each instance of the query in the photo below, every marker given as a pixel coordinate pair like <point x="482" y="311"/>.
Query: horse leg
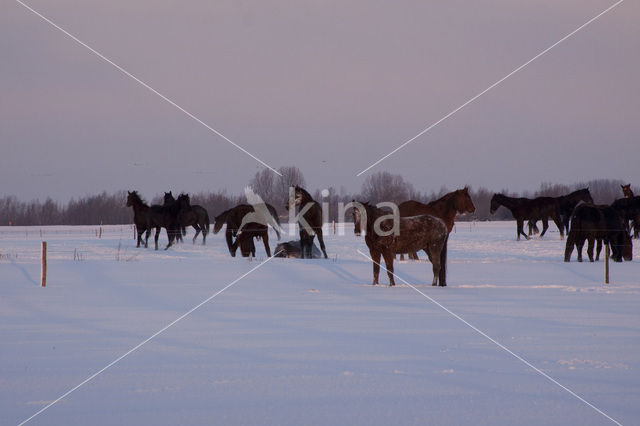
<point x="545" y="226"/>
<point x="375" y="256"/>
<point x="157" y="236"/>
<point x="197" y="228"/>
<point x="146" y="238"/>
<point x="598" y="249"/>
<point x="443" y="263"/>
<point x="321" y="241"/>
<point x="401" y="256"/>
<point x="265" y="241"/>
<point x="388" y="261"/>
<point x="568" y="249"/>
<point x="170" y="236"/>
<point x="590" y="249"/>
<point x="205" y="231"/>
<point x="520" y="231"/>
<point x="579" y="245"/>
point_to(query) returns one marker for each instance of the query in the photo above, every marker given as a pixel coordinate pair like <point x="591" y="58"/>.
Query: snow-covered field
<point x="311" y="341"/>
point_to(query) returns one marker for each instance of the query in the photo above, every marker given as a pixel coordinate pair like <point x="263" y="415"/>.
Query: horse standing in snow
<point x="415" y="233"/>
<point x="598" y="223"/>
<point x="445" y="208"/>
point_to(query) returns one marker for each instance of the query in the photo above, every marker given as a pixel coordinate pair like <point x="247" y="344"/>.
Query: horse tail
<point x="576" y="226"/>
<point x="442" y="278"/>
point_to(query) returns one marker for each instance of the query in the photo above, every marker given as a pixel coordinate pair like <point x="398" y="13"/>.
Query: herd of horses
<point x="419" y="227"/>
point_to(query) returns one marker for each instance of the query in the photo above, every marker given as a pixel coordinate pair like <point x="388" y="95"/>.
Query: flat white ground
<point x="311" y="341"/>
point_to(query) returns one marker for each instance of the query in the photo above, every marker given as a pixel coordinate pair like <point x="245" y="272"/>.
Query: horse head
<point x="463" y="199"/>
<point x="184" y="201"/>
<point x="626" y="190"/>
<point x="220" y="220"/>
<point x="168" y="198"/>
<point x="133" y="198"/>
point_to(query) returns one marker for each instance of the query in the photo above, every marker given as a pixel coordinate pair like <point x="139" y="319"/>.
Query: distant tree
<point x="384" y="186"/>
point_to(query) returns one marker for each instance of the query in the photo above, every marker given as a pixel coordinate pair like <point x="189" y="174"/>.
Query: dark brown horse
<point x="626" y="191"/>
<point x="445" y="208"/>
<point x="411" y="234"/>
<point x="233" y="218"/>
<point x="566" y="204"/>
<point x="192" y="215"/>
<point x="629" y="211"/>
<point x="140" y="216"/>
<point x="598" y="223"/>
<point x="540" y="208"/>
<point x="309" y="220"/>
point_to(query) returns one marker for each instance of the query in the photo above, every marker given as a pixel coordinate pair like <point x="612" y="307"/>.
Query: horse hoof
<point x="443" y="285"/>
<point x="392" y="285"/>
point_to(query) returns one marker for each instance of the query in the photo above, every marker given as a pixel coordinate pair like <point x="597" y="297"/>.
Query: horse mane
<point x="138" y="198"/>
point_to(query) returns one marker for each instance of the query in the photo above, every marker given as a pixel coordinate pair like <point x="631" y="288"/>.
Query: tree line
<point x="110" y="209"/>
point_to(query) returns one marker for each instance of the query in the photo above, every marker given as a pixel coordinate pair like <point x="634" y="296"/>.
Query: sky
<point x="329" y="87"/>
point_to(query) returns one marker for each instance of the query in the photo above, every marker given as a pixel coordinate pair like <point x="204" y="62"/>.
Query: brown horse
<point x="445" y="208"/>
<point x="626" y="191"/>
<point x="141" y="216"/>
<point x="415" y="233"/>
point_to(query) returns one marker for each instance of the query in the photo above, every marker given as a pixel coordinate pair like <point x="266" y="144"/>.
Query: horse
<point x="425" y="232"/>
<point x="626" y="191"/>
<point x="165" y="216"/>
<point x="602" y="223"/>
<point x="566" y="204"/>
<point x="629" y="211"/>
<point x="446" y="208"/>
<point x="309" y="220"/>
<point x="233" y="218"/>
<point x="192" y="215"/>
<point x="169" y="201"/>
<point x="140" y="216"/>
<point x="540" y="208"/>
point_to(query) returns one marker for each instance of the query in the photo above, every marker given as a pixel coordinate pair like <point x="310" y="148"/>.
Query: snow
<point x="312" y="341"/>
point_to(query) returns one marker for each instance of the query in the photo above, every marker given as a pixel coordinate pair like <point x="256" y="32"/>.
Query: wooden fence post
<point x="43" y="270"/>
<point x="606" y="263"/>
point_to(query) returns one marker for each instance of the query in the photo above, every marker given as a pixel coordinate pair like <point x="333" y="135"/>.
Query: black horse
<point x="140" y="216"/>
<point x="309" y="220"/>
<point x="233" y="218"/>
<point x="566" y="204"/>
<point x="165" y="216"/>
<point x="540" y="208"/>
<point x="170" y="201"/>
<point x="192" y="215"/>
<point x="629" y="211"/>
<point x="602" y="224"/>
<point x="415" y="233"/>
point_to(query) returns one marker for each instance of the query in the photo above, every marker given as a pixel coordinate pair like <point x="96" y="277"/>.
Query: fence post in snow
<point x="43" y="270"/>
<point x="606" y="263"/>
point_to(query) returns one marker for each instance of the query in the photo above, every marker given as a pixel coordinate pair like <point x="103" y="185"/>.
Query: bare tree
<point x="384" y="186"/>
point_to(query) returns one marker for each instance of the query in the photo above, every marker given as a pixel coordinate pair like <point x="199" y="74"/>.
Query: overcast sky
<point x="328" y="86"/>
